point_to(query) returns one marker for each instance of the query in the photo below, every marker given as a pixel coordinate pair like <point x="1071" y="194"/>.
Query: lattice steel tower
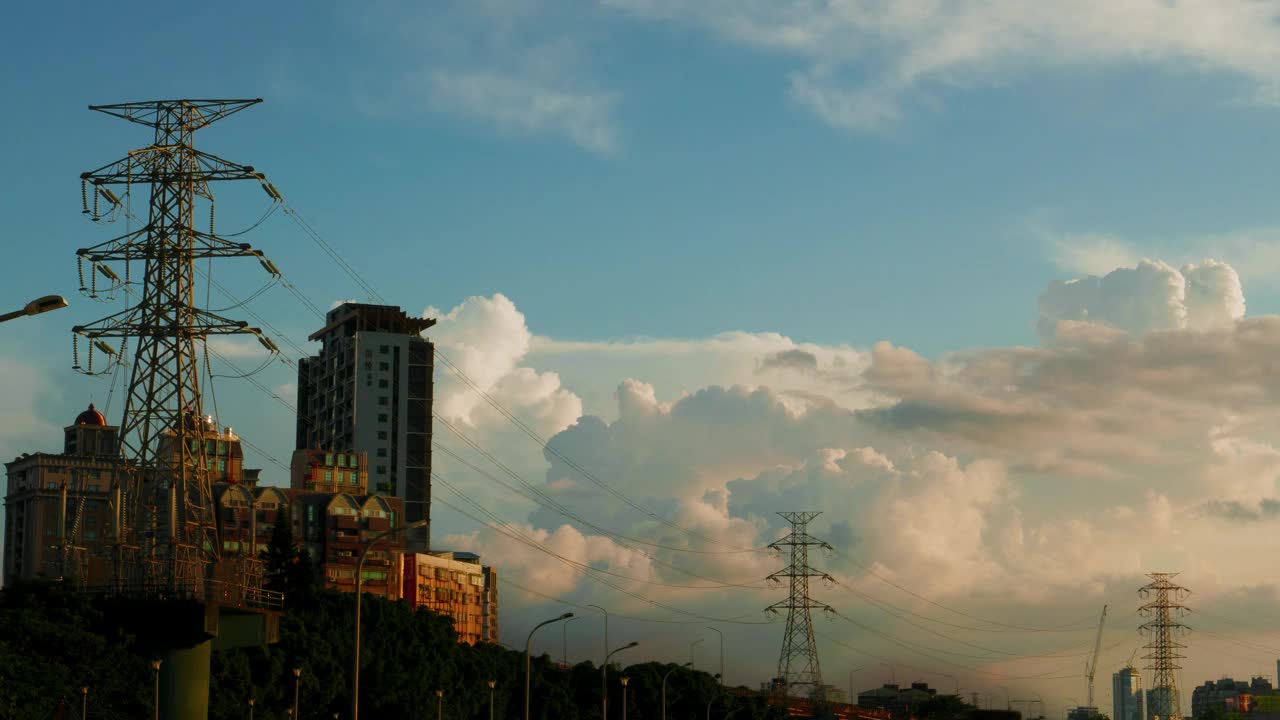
<point x="798" y="663"/>
<point x="1164" y="609"/>
<point x="163" y="534"/>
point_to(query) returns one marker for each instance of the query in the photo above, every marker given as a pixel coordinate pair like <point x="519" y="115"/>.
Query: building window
<point x="328" y="459"/>
<point x="382" y="399"/>
<point x="384" y="366"/>
<point x="384" y="349"/>
<point x="382" y="452"/>
<point x="382" y="417"/>
<point x="328" y="476"/>
<point x="382" y="469"/>
<point x="382" y="434"/>
<point x="222" y="466"/>
<point x="382" y="383"/>
<point x="352" y="462"/>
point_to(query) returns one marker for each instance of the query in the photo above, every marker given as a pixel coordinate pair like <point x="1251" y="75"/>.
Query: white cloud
<point x="867" y="63"/>
<point x="527" y="106"/>
<point x="1151" y="296"/>
<point x="486" y="339"/>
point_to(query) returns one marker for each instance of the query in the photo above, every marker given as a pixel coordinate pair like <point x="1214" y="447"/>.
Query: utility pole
<point x="1164" y="608"/>
<point x="798" y="661"/>
<point x="163" y="531"/>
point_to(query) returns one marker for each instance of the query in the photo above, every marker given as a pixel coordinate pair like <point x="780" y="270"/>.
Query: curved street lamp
<point x="604" y="690"/>
<point x="528" y="646"/>
<point x="355" y="659"/>
<point x="692" y="645"/>
<point x="604" y="674"/>
<point x="37" y="306"/>
<point x="492" y="684"/>
<point x="717" y="631"/>
<point x="664" y="687"/>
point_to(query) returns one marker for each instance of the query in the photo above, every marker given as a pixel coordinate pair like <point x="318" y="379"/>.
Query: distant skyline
<point x="991" y="284"/>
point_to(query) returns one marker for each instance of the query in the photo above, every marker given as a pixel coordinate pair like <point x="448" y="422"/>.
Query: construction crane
<point x="1091" y="666"/>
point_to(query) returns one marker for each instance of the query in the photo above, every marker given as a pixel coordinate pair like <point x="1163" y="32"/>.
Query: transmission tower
<point x="163" y="530"/>
<point x="798" y="663"/>
<point x="1164" y="609"/>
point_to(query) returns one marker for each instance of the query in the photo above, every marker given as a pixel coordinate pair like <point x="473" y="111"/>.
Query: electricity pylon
<point x="1164" y="609"/>
<point x="163" y="529"/>
<point x="798" y="663"/>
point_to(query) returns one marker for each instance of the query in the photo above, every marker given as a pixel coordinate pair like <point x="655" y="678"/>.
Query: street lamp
<point x="691" y="646"/>
<point x="528" y="646"/>
<point x="439" y="705"/>
<point x="250" y="708"/>
<point x="853" y="697"/>
<point x="492" y="684"/>
<point x="84" y="700"/>
<point x="564" y="640"/>
<point x="664" y="687"/>
<point x="355" y="653"/>
<point x="604" y="674"/>
<point x="604" y="690"/>
<point x="155" y="665"/>
<point x="624" y="697"/>
<point x="716" y="631"/>
<point x="37" y="306"/>
<point x="297" y="679"/>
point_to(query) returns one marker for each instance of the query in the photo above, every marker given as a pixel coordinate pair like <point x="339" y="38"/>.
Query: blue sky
<point x="592" y="195"/>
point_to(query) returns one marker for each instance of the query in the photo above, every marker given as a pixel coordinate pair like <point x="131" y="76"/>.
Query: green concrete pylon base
<point x="184" y="682"/>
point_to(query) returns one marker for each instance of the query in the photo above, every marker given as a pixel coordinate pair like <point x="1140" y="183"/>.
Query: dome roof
<point x="91" y="417"/>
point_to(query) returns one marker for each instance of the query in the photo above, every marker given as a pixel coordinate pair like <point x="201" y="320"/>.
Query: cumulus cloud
<point x="867" y="64"/>
<point x="25" y="389"/>
<point x="487" y="339"/>
<point x="1151" y="296"/>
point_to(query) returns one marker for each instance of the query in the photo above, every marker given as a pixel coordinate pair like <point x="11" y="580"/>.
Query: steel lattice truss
<point x="163" y="532"/>
<point x="1165" y="651"/>
<point x="798" y="663"/>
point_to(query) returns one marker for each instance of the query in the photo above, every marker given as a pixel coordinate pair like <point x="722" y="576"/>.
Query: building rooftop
<point x="372" y="318"/>
<point x="91" y="417"/>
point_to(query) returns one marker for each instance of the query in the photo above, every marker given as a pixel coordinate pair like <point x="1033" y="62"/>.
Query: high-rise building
<point x="56" y="505"/>
<point x="1126" y="695"/>
<point x="369" y="390"/>
<point x="457" y="585"/>
<point x="1228" y="695"/>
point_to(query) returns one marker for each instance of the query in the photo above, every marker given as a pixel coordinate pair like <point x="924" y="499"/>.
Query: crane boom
<point x="1092" y="666"/>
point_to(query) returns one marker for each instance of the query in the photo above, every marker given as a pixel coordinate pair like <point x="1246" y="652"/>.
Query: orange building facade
<point x="457" y="585"/>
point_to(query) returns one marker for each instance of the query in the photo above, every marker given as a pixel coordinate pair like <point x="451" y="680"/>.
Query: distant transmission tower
<point x="798" y="663"/>
<point x="163" y="530"/>
<point x="1164" y="609"/>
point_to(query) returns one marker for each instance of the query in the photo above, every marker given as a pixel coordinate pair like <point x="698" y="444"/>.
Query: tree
<point x="943" y="707"/>
<point x="289" y="567"/>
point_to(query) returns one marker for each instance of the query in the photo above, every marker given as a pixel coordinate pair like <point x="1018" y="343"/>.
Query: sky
<point x="990" y="284"/>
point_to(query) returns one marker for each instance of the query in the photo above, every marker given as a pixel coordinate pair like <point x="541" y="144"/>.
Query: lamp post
<point x="492" y="684"/>
<point x="717" y="631"/>
<point x="250" y="708"/>
<point x="528" y="646"/>
<point x="853" y="697"/>
<point x="35" y="307"/>
<point x="355" y="653"/>
<point x="664" y="687"/>
<point x="439" y="705"/>
<point x="155" y="666"/>
<point x="604" y="690"/>
<point x="297" y="680"/>
<point x="624" y="679"/>
<point x="604" y="674"/>
<point x="84" y="700"/>
<point x="691" y="646"/>
<point x="564" y="641"/>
